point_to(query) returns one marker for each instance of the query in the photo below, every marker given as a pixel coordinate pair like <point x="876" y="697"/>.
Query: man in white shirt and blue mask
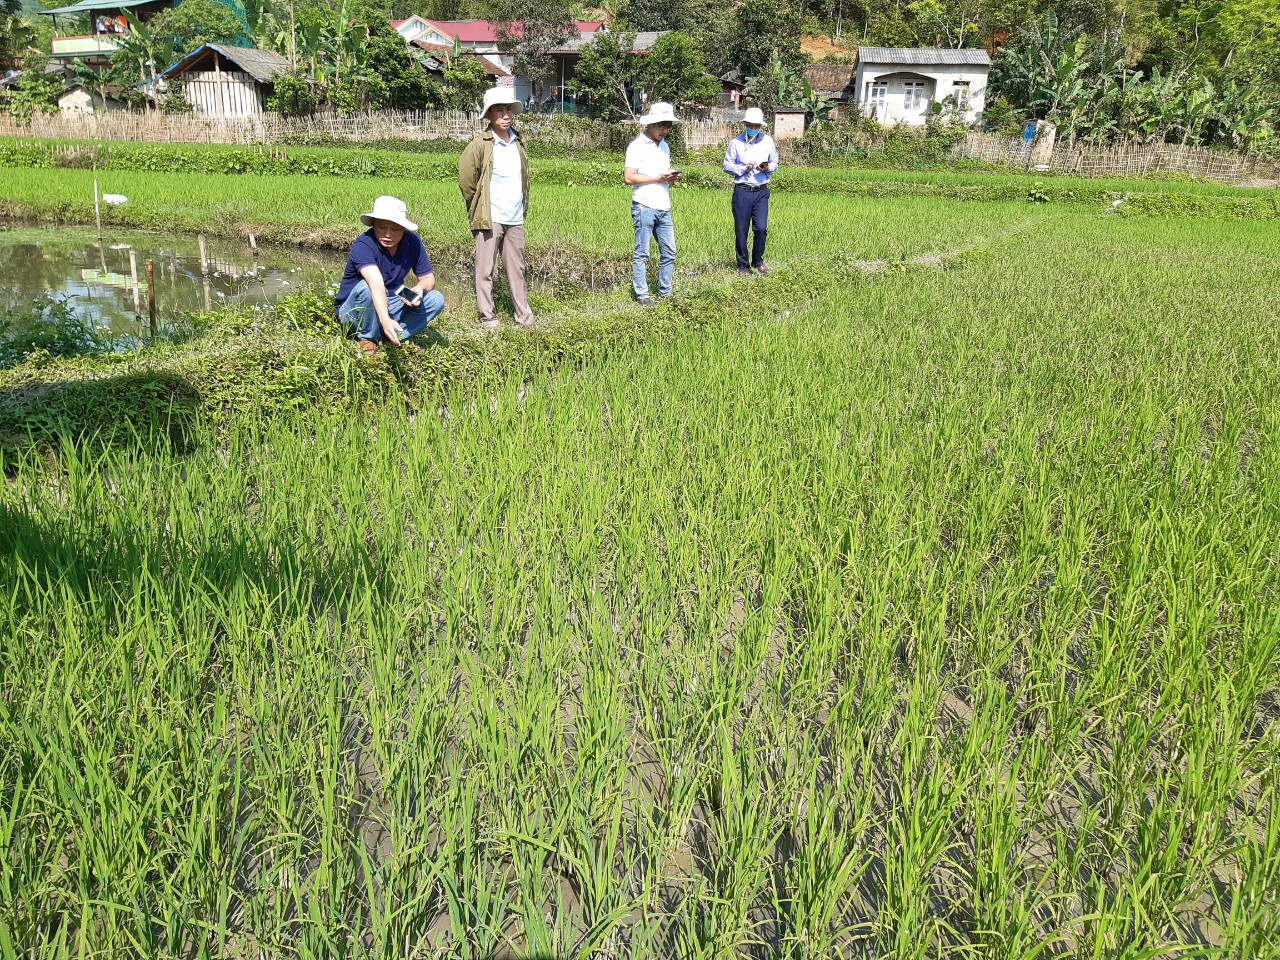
<point x="751" y="158"/>
<point x="648" y="171"/>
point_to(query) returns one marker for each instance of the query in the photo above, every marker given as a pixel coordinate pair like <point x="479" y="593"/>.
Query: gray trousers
<point x="509" y="241"/>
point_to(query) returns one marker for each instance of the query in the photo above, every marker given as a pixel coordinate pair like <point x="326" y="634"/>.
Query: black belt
<point x="752" y="187"/>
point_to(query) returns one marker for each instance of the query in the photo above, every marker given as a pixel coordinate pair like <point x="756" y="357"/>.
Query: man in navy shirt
<point x="373" y="297"/>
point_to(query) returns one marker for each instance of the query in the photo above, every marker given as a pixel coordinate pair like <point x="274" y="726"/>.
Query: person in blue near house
<point x="373" y="298"/>
<point x="751" y="158"/>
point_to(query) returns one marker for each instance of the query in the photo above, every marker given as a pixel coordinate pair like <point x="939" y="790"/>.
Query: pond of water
<point x="69" y="262"/>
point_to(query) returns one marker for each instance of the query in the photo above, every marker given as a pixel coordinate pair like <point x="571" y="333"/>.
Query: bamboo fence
<point x="1125" y="159"/>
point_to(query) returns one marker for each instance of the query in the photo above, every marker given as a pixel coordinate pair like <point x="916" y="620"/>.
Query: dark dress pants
<point x="750" y="209"/>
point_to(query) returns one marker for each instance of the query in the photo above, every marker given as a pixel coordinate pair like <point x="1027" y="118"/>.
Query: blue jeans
<point x="658" y="225"/>
<point x="357" y="311"/>
<point x="750" y="209"/>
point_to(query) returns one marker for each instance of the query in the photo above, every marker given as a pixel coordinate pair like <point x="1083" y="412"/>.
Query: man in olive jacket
<point x="493" y="174"/>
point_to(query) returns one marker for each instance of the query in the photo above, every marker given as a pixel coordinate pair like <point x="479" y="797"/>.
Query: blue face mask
<point x="752" y="134"/>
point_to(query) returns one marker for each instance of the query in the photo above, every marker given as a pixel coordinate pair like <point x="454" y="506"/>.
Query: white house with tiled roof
<point x="897" y="85"/>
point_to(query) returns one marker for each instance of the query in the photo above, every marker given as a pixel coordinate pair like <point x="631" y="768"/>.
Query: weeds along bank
<point x="937" y="617"/>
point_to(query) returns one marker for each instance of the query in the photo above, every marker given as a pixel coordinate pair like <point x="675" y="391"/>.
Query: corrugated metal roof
<point x="88" y="6"/>
<point x="643" y="43"/>
<point x="924" y="56"/>
<point x="262" y="65"/>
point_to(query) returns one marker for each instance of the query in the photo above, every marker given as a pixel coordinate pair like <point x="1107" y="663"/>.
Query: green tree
<point x="607" y="73"/>
<point x="15" y="35"/>
<point x="35" y="91"/>
<point x="463" y="84"/>
<point x="194" y="23"/>
<point x="763" y="30"/>
<point x="386" y="55"/>
<point x="295" y="95"/>
<point x="673" y="71"/>
<point x="528" y="32"/>
<point x="143" y="53"/>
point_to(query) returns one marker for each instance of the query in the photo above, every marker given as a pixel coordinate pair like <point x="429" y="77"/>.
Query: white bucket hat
<point x="754" y="115"/>
<point x="499" y="97"/>
<point x="659" y="113"/>
<point x="389" y="208"/>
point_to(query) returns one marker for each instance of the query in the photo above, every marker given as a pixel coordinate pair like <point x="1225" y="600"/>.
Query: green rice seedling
<point x="934" y="619"/>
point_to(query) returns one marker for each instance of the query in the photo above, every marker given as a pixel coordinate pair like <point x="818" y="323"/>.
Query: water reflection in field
<point x="38" y="262"/>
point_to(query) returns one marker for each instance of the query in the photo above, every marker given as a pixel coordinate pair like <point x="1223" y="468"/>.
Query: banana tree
<point x="144" y="53"/>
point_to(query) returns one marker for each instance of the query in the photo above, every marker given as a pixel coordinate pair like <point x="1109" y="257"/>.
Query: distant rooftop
<point x="924" y="56"/>
<point x="643" y="42"/>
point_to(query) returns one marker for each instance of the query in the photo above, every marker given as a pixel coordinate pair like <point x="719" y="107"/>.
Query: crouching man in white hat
<point x="647" y="170"/>
<point x="493" y="175"/>
<point x="751" y="158"/>
<point x="373" y="297"/>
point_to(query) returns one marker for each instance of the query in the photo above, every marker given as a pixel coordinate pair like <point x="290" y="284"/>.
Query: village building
<point x="899" y="85"/>
<point x="480" y="37"/>
<point x="433" y="57"/>
<point x="224" y="81"/>
<point x="106" y="23"/>
<point x="836" y="82"/>
<point x="80" y="98"/>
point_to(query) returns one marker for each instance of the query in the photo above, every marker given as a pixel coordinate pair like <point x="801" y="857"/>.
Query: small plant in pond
<point x="49" y="327"/>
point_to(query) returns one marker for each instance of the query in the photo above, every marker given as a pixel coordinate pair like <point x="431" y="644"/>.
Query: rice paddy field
<point x="595" y="220"/>
<point x="931" y="608"/>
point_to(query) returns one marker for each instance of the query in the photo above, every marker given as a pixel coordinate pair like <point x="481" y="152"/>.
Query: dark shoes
<point x="645" y="301"/>
<point x="744" y="271"/>
<point x="762" y="270"/>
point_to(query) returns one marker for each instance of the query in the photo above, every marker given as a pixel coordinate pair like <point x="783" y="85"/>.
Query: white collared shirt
<point x="506" y="186"/>
<point x="650" y="159"/>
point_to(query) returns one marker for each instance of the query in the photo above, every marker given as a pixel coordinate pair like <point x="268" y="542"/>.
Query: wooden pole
<point x="222" y="90"/>
<point x="133" y="273"/>
<point x="151" y="299"/>
<point x="204" y="258"/>
<point x="97" y="210"/>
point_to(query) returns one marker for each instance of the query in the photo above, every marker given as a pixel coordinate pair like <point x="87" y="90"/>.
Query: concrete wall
<point x="903" y="103"/>
<point x="80" y="101"/>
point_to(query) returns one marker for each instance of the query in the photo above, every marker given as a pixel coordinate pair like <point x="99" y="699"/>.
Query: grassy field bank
<point x="933" y="618"/>
<point x="593" y="220"/>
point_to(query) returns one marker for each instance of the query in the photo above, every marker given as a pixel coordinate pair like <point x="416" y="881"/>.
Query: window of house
<point x="960" y="93"/>
<point x="914" y="96"/>
<point x="877" y="92"/>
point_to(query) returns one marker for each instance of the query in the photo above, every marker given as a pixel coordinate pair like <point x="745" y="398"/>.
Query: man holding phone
<point x="647" y="170"/>
<point x="751" y="158"/>
<point x="372" y="297"/>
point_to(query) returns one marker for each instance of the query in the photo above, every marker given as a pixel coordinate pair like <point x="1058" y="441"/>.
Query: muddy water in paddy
<point x="69" y="262"/>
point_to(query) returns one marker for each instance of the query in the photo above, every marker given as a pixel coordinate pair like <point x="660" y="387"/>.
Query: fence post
<point x="151" y="299"/>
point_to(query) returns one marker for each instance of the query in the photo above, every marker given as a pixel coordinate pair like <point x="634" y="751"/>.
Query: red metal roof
<point x="485" y="31"/>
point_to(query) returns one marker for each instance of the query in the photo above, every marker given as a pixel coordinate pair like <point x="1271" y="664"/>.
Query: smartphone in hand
<point x="410" y="297"/>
